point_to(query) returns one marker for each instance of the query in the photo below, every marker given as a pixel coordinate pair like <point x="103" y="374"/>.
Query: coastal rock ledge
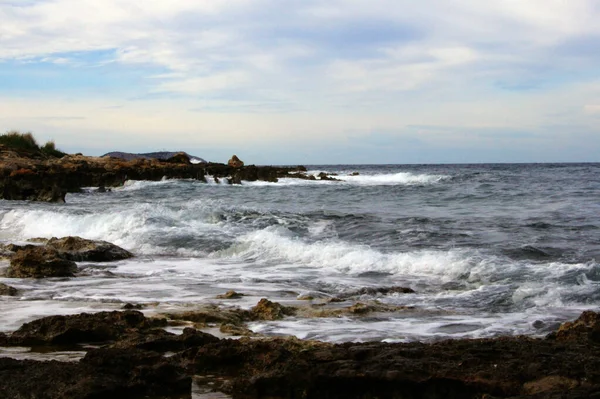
<point x="138" y="359"/>
<point x="28" y="177"/>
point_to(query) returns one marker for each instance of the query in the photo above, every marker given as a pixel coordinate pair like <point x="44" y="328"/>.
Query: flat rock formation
<point x="56" y="257"/>
<point x="26" y="176"/>
<point x="134" y="357"/>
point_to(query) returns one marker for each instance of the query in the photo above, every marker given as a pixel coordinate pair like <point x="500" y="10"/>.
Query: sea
<point x="489" y="249"/>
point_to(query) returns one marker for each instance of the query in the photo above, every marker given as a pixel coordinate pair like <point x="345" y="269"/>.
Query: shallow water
<point x="489" y="249"/>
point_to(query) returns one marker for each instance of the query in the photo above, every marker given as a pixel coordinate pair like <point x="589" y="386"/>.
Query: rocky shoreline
<point x="26" y="175"/>
<point x="124" y="354"/>
<point x="128" y="355"/>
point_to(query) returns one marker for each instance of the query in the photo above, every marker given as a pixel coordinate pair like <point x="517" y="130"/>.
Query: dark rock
<point x="8" y="290"/>
<point x="82" y="328"/>
<point x="378" y="290"/>
<point x="102" y="373"/>
<point x="235" y="162"/>
<point x="326" y="176"/>
<point x="79" y="249"/>
<point x="39" y="262"/>
<point x="354" y="174"/>
<point x="130" y="306"/>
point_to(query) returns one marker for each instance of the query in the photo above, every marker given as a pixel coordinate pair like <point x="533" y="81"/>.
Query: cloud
<point x="239" y="68"/>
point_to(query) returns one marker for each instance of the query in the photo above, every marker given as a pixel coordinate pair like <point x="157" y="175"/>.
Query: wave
<point x="277" y="245"/>
<point x="395" y="179"/>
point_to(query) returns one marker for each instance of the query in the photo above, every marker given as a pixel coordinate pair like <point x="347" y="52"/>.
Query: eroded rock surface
<point x="79" y="249"/>
<point x="38" y="262"/>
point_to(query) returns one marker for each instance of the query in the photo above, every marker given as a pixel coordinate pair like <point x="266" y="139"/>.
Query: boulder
<point x="235" y="162"/>
<point x="39" y="262"/>
<point x="79" y="249"/>
<point x="7" y="290"/>
<point x="82" y="328"/>
<point x="230" y="295"/>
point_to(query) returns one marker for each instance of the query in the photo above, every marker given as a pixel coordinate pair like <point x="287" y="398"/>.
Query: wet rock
<point x="326" y="176"/>
<point x="232" y="329"/>
<point x="7" y="290"/>
<point x="210" y="314"/>
<point x="102" y="373"/>
<point x="39" y="262"/>
<point x="130" y="306"/>
<point x="267" y="310"/>
<point x="159" y="340"/>
<point x="82" y="328"/>
<point x="378" y="290"/>
<point x="235" y="162"/>
<point x="587" y="326"/>
<point x="354" y="174"/>
<point x="79" y="249"/>
<point x="230" y="295"/>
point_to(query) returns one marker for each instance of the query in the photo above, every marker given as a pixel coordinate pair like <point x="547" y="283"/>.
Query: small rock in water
<point x="7" y="290"/>
<point x="131" y="306"/>
<point x="230" y="295"/>
<point x="267" y="310"/>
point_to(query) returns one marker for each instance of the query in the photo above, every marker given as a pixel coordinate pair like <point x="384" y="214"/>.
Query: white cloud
<point x="333" y="64"/>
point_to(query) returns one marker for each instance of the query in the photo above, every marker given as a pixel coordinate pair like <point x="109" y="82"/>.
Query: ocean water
<point x="488" y="249"/>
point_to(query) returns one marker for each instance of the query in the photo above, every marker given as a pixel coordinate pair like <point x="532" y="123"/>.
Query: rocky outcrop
<point x="139" y="360"/>
<point x="39" y="262"/>
<point x="83" y="328"/>
<point x="235" y="162"/>
<point x="50" y="179"/>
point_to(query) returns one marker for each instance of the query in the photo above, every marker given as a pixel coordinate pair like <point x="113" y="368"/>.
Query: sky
<point x="307" y="81"/>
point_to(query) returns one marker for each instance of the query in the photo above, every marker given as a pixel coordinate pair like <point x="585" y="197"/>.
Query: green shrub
<point x="23" y="141"/>
<point x="50" y="149"/>
<point x="26" y="141"/>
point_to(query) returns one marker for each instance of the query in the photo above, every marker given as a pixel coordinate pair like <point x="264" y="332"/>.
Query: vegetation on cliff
<point x="26" y="142"/>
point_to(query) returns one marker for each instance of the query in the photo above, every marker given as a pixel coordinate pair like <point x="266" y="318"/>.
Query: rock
<point x="39" y="262"/>
<point x="8" y="290"/>
<point x="102" y="373"/>
<point x="235" y="162"/>
<point x="230" y="295"/>
<point x="79" y="249"/>
<point x="130" y="306"/>
<point x="354" y="174"/>
<point x="326" y="176"/>
<point x="82" y="328"/>
<point x="267" y="310"/>
<point x="587" y="326"/>
<point x="378" y="290"/>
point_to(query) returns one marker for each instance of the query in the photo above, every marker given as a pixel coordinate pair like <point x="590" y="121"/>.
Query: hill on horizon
<point x="162" y="155"/>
